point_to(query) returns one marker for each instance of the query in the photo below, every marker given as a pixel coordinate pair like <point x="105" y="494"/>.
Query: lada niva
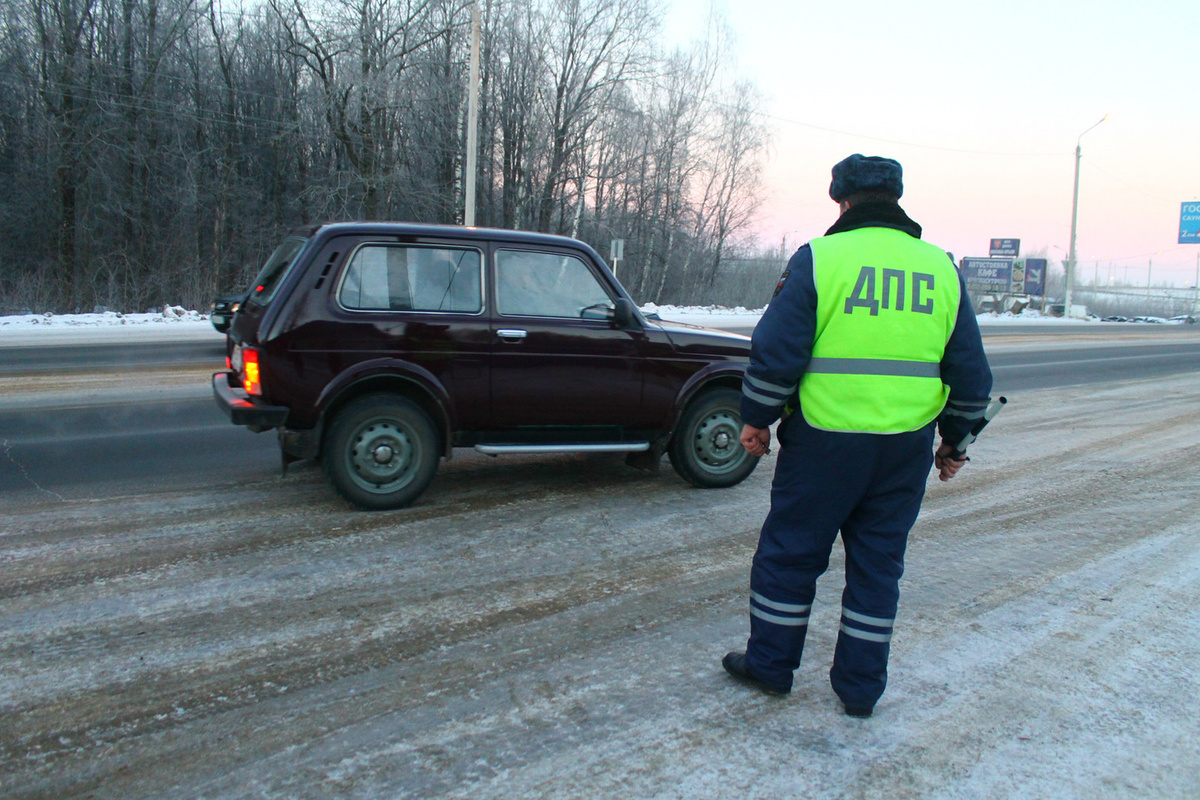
<point x="377" y="348"/>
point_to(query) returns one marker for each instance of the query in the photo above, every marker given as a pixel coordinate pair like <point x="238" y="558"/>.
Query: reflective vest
<point x="886" y="306"/>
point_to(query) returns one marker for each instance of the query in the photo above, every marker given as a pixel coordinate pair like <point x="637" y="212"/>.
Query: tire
<point x="706" y="449"/>
<point x="381" y="451"/>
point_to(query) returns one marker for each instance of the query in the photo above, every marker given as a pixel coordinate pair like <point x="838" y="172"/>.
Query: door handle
<point x="511" y="333"/>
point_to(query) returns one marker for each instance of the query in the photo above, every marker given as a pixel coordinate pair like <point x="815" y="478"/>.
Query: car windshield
<point x="271" y="275"/>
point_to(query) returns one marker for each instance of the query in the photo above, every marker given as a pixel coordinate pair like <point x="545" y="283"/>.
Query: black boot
<point x="860" y="712"/>
<point x="735" y="664"/>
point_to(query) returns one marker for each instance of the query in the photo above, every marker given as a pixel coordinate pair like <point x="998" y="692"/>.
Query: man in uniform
<point x="869" y="343"/>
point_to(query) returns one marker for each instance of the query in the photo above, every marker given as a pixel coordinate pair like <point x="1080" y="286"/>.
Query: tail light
<point x="251" y="380"/>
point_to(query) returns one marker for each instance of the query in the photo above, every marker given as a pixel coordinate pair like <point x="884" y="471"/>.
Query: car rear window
<point x="398" y="278"/>
<point x="271" y="275"/>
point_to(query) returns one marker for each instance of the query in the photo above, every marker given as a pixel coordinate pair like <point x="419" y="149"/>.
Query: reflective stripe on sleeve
<point x="953" y="412"/>
<point x="769" y="387"/>
<point x="875" y="366"/>
<point x="773" y="402"/>
<point x="958" y="408"/>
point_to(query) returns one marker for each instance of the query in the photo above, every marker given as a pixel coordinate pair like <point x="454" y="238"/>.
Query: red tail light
<point x="251" y="381"/>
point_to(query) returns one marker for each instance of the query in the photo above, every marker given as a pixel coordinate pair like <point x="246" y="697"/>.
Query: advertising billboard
<point x="1189" y="223"/>
<point x="1035" y="276"/>
<point x="988" y="275"/>
<point x="1005" y="247"/>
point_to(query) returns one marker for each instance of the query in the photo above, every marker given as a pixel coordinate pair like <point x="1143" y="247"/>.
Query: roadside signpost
<point x="616" y="252"/>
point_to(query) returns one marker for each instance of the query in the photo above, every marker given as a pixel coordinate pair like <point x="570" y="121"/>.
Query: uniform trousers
<point x="867" y="486"/>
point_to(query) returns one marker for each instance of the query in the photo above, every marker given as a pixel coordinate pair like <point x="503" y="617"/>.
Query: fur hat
<point x="859" y="173"/>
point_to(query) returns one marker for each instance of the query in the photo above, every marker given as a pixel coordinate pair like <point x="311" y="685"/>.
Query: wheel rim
<point x="716" y="445"/>
<point x="383" y="455"/>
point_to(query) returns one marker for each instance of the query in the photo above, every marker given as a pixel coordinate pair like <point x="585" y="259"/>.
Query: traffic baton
<point x="960" y="452"/>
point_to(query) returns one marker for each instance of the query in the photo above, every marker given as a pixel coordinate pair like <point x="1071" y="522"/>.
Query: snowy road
<point x="552" y="627"/>
<point x="91" y="421"/>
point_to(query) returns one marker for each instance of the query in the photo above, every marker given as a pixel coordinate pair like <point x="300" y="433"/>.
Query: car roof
<point x="426" y="230"/>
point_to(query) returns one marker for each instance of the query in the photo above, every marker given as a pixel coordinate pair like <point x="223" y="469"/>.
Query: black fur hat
<point x="859" y="173"/>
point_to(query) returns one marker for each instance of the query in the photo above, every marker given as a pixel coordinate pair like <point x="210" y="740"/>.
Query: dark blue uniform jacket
<point x="783" y="340"/>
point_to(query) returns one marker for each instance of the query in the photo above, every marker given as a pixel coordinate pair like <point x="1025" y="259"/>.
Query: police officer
<point x="869" y="343"/>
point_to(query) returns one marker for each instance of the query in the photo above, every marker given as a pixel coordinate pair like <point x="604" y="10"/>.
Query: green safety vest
<point x="886" y="306"/>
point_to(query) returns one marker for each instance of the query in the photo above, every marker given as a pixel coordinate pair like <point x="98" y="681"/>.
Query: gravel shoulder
<point x="552" y="627"/>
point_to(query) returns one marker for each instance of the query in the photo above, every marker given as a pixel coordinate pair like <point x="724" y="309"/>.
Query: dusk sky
<point x="982" y="103"/>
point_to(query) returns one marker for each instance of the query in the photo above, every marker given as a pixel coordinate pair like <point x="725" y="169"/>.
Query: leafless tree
<point x="154" y="151"/>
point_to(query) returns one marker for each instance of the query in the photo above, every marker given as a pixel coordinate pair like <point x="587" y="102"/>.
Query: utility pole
<point x="1074" y="221"/>
<point x="472" y="120"/>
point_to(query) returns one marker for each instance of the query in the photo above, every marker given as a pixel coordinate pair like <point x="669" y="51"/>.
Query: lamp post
<point x="472" y="121"/>
<point x="1074" y="221"/>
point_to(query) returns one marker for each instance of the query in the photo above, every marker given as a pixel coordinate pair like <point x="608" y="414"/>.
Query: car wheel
<point x="706" y="449"/>
<point x="381" y="451"/>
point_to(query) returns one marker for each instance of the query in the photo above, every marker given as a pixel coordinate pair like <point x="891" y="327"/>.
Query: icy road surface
<point x="552" y="628"/>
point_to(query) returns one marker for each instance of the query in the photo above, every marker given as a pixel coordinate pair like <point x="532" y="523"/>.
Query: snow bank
<point x="173" y="322"/>
<point x="176" y="322"/>
<point x="1028" y="317"/>
<point x="708" y="316"/>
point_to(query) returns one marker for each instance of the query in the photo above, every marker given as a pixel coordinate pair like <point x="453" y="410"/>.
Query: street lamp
<point x="472" y="121"/>
<point x="1074" y="221"/>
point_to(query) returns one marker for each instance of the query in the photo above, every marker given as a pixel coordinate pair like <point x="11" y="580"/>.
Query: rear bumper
<point x="241" y="410"/>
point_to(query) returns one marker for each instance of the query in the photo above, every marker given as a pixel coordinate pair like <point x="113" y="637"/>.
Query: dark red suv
<point x="380" y="347"/>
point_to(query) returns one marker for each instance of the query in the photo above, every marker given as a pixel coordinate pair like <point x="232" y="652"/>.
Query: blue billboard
<point x="988" y="275"/>
<point x="1189" y="223"/>
<point x="1035" y="276"/>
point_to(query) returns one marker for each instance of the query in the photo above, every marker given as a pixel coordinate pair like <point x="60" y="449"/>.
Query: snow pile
<point x="708" y="316"/>
<point x="176" y="322"/>
<point x="173" y="322"/>
<point x="1028" y="316"/>
<point x="170" y="314"/>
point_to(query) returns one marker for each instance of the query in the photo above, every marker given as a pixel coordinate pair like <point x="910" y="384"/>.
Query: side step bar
<point x="616" y="447"/>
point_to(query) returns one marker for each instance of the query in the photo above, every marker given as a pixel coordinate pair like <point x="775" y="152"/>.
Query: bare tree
<point x="60" y="36"/>
<point x="594" y="47"/>
<point x="733" y="173"/>
<point x="357" y="55"/>
<point x="155" y="150"/>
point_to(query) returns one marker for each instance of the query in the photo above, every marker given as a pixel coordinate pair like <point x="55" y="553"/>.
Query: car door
<point x="558" y="360"/>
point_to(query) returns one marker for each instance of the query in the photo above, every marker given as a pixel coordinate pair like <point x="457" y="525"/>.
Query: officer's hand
<point x="946" y="466"/>
<point x="757" y="441"/>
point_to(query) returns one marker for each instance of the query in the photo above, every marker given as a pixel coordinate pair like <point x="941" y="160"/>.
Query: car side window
<point x="397" y="278"/>
<point x="532" y="284"/>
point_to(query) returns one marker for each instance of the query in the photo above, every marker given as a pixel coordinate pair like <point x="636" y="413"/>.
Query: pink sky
<point x="982" y="104"/>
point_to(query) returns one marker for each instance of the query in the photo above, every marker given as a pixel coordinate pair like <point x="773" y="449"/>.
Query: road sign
<point x="1005" y="247"/>
<point x="988" y="275"/>
<point x="1035" y="276"/>
<point x="616" y="252"/>
<point x="1189" y="223"/>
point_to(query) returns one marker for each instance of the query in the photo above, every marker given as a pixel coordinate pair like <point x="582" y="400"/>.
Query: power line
<point x="1125" y="183"/>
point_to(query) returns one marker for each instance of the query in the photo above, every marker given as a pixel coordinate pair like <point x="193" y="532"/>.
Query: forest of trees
<point x="155" y="151"/>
